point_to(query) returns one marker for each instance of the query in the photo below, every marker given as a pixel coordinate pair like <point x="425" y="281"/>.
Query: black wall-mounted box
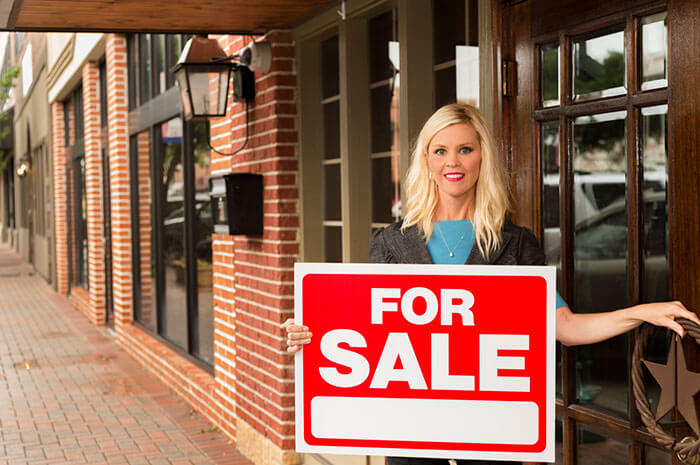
<point x="236" y="202"/>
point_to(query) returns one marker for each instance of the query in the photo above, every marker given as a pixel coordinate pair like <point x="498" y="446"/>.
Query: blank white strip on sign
<point x="424" y="420"/>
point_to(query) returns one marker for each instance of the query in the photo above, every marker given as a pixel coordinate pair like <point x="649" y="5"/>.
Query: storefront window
<point x="330" y="103"/>
<point x="77" y="199"/>
<point x="171" y="161"/>
<point x="456" y="52"/>
<point x="384" y="114"/>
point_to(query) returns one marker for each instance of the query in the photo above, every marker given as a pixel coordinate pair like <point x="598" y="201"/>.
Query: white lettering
<point x="440" y="366"/>
<point x="448" y="307"/>
<point x="490" y="362"/>
<point x="359" y="366"/>
<point x="379" y="305"/>
<point x="431" y="305"/>
<point x="398" y="346"/>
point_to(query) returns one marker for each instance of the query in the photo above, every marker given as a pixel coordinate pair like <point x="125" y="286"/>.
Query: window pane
<point x="448" y="29"/>
<point x="596" y="447"/>
<point x="331" y="130"/>
<point x="655" y="195"/>
<point x="145" y="71"/>
<point x="145" y="230"/>
<point x="456" y="52"/>
<point x="331" y="189"/>
<point x="549" y="75"/>
<point x="381" y="33"/>
<point x="600" y="246"/>
<point x="550" y="210"/>
<point x="599" y="66"/>
<point x="385" y="118"/>
<point x="174" y="309"/>
<point x="385" y="189"/>
<point x="654" y="51"/>
<point x="159" y="64"/>
<point x="329" y="66"/>
<point x="333" y="239"/>
<point x="203" y="229"/>
<point x="445" y="87"/>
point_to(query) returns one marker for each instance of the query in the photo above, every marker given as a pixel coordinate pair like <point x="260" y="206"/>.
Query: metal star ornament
<point x="678" y="385"/>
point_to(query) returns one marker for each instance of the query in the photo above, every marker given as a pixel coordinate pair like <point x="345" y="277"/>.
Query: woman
<point x="457" y="200"/>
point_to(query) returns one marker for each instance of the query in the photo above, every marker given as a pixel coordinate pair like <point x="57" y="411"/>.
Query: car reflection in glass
<point x="600" y="253"/>
<point x="174" y="232"/>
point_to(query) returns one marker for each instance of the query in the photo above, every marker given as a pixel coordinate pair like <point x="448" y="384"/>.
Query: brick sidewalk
<point x="69" y="395"/>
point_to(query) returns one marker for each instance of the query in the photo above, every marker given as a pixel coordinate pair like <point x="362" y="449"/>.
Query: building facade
<point x="594" y="110"/>
<point x="27" y="206"/>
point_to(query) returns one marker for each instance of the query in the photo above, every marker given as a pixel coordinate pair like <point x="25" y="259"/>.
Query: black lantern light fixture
<point x="203" y="73"/>
<point x="25" y="164"/>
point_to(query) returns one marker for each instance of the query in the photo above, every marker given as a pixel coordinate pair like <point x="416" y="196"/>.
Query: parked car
<point x="600" y="255"/>
<point x="174" y="232"/>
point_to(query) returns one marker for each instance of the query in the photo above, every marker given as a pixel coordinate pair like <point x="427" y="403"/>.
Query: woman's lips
<point x="454" y="177"/>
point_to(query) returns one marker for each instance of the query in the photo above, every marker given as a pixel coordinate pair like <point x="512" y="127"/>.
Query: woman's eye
<point x="440" y="152"/>
<point x="465" y="150"/>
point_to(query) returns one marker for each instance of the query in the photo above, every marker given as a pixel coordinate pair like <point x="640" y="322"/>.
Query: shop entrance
<point x="596" y="175"/>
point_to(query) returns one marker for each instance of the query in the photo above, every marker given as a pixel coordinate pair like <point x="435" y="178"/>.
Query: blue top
<point x="457" y="236"/>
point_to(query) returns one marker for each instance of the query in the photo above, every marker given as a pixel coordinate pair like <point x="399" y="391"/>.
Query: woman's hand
<point x="664" y="314"/>
<point x="297" y="335"/>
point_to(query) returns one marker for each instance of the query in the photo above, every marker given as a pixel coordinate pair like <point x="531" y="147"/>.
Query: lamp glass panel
<point x="181" y="76"/>
<point x="222" y="90"/>
<point x="204" y="88"/>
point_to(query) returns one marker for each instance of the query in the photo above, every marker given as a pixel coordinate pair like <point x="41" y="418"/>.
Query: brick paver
<point x="69" y="395"/>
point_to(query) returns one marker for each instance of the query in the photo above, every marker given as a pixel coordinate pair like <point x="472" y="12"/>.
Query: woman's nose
<point x="452" y="159"/>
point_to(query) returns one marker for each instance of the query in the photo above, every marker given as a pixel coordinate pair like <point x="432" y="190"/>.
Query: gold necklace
<point x="452" y="254"/>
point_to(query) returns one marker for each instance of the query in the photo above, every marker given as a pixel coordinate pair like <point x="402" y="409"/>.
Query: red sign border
<point x="548" y="273"/>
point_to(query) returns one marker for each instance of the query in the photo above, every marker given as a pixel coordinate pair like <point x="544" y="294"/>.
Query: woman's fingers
<point x="300" y="335"/>
<point x="674" y="326"/>
<point x="297" y="335"/>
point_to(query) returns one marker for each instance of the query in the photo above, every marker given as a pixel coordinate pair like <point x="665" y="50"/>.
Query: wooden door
<point x="600" y="126"/>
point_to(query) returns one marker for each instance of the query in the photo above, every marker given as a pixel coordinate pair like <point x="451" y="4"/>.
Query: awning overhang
<point x="168" y="16"/>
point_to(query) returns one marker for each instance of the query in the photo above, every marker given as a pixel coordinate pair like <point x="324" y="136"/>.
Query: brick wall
<point x="60" y="196"/>
<point x="253" y="290"/>
<point x="250" y="397"/>
<point x="93" y="192"/>
<point x="118" y="141"/>
<point x="143" y="184"/>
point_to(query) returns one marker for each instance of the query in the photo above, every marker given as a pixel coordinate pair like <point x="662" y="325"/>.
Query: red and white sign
<point x="437" y="361"/>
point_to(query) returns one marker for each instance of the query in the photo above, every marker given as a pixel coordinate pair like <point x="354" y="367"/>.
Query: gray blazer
<point x="390" y="245"/>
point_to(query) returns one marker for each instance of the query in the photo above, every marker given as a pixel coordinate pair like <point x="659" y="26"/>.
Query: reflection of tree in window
<point x="593" y="76"/>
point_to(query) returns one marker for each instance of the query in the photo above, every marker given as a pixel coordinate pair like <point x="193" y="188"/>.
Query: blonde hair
<point x="491" y="201"/>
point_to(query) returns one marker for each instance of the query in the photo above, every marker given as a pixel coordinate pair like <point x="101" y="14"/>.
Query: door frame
<point x="520" y="21"/>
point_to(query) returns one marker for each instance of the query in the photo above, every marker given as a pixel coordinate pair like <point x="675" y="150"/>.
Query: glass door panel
<point x="599" y="66"/>
<point x="173" y="227"/>
<point x="596" y="162"/>
<point x="600" y="252"/>
<point x="654" y="54"/>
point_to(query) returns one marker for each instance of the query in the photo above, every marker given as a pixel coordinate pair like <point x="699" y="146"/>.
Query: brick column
<point x="93" y="192"/>
<point x="254" y="277"/>
<point x="60" y="181"/>
<point x="147" y="287"/>
<point x="118" y="135"/>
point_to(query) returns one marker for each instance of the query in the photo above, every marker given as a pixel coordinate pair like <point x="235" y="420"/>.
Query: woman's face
<point x="454" y="159"/>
